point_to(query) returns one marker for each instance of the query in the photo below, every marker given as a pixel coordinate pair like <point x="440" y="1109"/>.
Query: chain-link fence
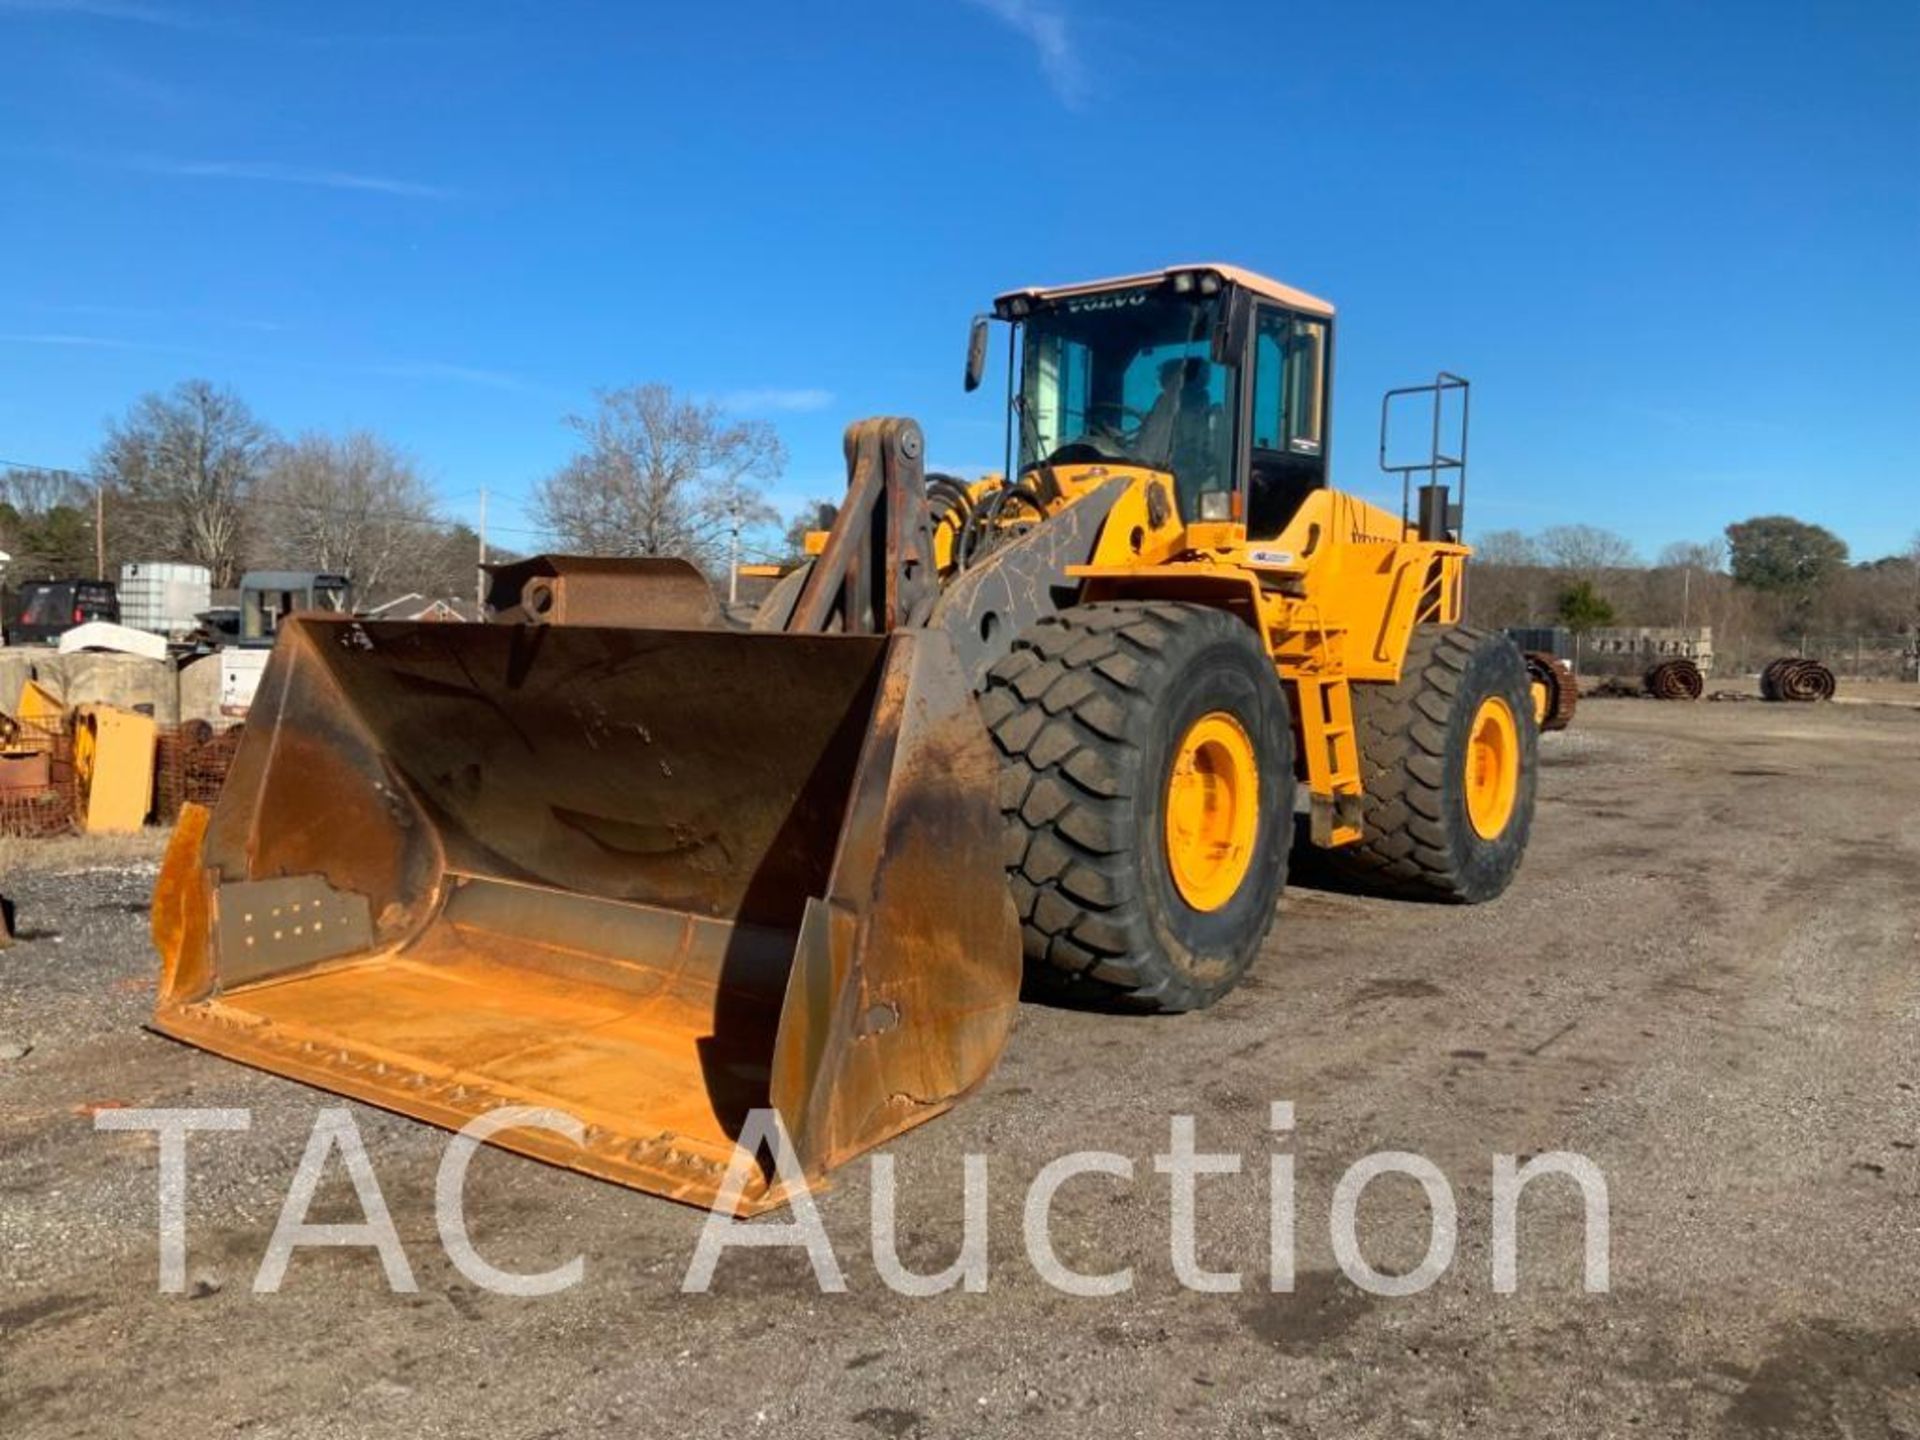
<point x="1850" y="657"/>
<point x="1630" y="651"/>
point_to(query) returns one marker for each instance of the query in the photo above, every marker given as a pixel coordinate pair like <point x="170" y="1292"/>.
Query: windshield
<point x="1127" y="376"/>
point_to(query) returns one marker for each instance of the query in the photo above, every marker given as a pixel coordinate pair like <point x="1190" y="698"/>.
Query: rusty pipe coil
<point x="1678" y="679"/>
<point x="1563" y="691"/>
<point x="1795" y="679"/>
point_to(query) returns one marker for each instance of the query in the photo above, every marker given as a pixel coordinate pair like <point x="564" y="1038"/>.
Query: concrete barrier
<point x="200" y="691"/>
<point x="151" y="687"/>
<point x="17" y="666"/>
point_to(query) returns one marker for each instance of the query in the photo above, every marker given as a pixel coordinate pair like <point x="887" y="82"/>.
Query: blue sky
<point x="1676" y="246"/>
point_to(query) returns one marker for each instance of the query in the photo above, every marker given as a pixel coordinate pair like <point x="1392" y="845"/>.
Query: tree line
<point x="194" y="475"/>
<point x="1768" y="583"/>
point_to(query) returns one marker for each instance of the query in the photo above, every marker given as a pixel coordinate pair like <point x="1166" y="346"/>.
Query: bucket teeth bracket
<point x="263" y="926"/>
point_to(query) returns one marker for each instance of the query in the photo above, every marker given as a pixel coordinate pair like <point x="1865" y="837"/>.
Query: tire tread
<point x="1402" y="729"/>
<point x="1058" y="709"/>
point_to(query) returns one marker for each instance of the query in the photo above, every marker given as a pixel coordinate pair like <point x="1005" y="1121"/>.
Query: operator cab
<point x="269" y="596"/>
<point x="1212" y="375"/>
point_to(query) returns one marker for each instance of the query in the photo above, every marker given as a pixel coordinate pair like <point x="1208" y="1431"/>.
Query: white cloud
<point x="752" y="402"/>
<point x="230" y="21"/>
<point x="101" y="10"/>
<point x="91" y="342"/>
<point x="427" y="370"/>
<point x="1045" y="26"/>
<point x="272" y="172"/>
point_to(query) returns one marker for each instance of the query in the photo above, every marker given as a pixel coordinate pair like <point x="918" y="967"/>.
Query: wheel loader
<point x="622" y="854"/>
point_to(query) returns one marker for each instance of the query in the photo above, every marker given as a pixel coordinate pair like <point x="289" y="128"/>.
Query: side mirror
<point x="1230" y="335"/>
<point x="976" y="352"/>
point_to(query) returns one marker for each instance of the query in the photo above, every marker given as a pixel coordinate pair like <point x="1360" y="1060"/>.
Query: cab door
<point x="1287" y="433"/>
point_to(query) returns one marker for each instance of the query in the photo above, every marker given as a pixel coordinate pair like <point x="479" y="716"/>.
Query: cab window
<point x="1288" y="458"/>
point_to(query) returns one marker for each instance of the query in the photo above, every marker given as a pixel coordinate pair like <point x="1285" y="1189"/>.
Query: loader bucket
<point x="655" y="879"/>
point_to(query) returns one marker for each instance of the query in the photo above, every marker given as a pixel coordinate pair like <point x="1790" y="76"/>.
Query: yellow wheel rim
<point x="1493" y="768"/>
<point x="1213" y="810"/>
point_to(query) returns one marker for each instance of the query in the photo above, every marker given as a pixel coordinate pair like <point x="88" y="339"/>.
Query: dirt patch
<point x="1322" y="1307"/>
<point x="1705" y="991"/>
<point x="1827" y="1379"/>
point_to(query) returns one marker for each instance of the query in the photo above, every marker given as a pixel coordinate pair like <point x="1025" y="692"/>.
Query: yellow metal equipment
<point x="616" y="855"/>
<point x="39" y="716"/>
<point x="113" y="755"/>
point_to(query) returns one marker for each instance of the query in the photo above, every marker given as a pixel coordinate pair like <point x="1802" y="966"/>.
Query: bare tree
<point x="1913" y="562"/>
<point x="46" y="522"/>
<point x="659" y="474"/>
<point x="1507" y="547"/>
<point x="1682" y="587"/>
<point x="1586" y="552"/>
<point x="448" y="563"/>
<point x="1706" y="556"/>
<point x="186" y="464"/>
<point x="355" y="505"/>
<point x="34" y="491"/>
<point x="1507" y="583"/>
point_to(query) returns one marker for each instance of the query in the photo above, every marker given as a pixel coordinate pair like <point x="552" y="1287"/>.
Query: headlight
<point x="1216" y="505"/>
<point x="1209" y="283"/>
<point x="1182" y="281"/>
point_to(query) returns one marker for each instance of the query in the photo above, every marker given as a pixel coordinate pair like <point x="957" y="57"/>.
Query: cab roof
<point x="1233" y="274"/>
<point x="290" y="579"/>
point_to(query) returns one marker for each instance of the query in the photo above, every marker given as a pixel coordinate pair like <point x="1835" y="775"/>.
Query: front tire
<point x="1447" y="760"/>
<point x="1147" y="784"/>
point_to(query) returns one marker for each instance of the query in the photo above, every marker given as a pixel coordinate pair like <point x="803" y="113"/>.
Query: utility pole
<point x="480" y="575"/>
<point x="99" y="530"/>
<point x="733" y="554"/>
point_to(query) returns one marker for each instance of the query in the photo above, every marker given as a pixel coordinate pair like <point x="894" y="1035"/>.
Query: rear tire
<point x="1091" y="712"/>
<point x="1421" y="838"/>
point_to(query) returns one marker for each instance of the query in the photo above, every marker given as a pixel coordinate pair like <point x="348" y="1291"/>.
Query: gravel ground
<point x="1704" y="981"/>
